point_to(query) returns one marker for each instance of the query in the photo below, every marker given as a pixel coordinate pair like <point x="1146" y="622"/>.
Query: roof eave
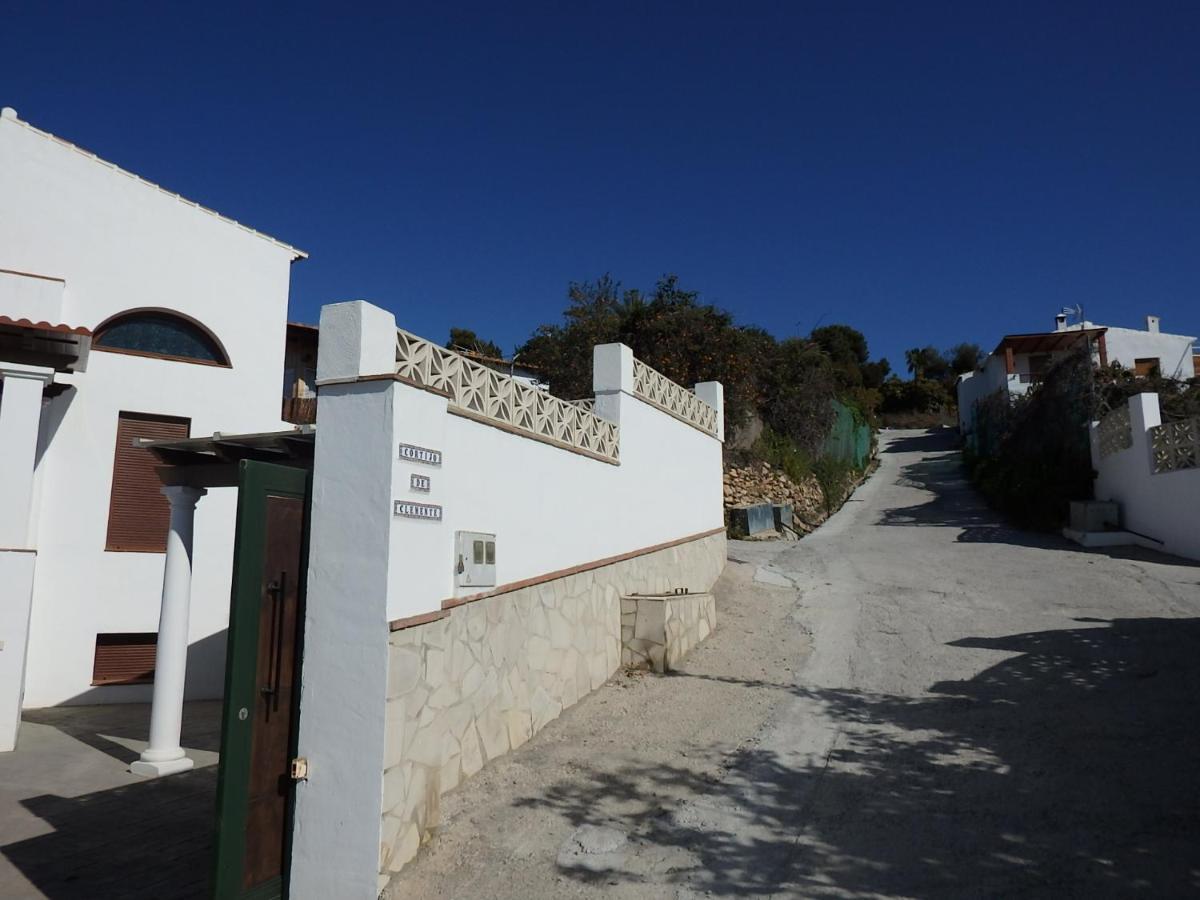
<point x="295" y="251"/>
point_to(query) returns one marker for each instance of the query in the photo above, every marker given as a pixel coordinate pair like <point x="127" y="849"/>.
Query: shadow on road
<point x="142" y="841"/>
<point x="1066" y="769"/>
<point x="928" y="441"/>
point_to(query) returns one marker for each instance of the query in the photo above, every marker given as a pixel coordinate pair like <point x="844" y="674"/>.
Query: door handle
<point x="270" y="691"/>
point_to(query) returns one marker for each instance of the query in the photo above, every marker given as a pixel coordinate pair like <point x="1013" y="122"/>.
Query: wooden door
<point x="258" y="737"/>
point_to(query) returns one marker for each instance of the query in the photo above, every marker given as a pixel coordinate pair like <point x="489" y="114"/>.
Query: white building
<point x="1020" y="360"/>
<point x="126" y="311"/>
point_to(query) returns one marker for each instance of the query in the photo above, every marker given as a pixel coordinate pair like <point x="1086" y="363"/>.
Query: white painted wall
<point x="1122" y="345"/>
<point x="16" y="575"/>
<point x="119" y="243"/>
<point x="37" y="298"/>
<point x="1125" y="345"/>
<point x="550" y="509"/>
<point x="974" y="386"/>
<point x="1164" y="506"/>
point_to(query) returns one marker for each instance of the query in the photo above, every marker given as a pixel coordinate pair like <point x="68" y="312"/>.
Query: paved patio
<point x="75" y="824"/>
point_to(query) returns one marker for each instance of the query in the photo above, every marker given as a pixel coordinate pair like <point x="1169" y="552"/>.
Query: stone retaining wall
<point x="481" y="681"/>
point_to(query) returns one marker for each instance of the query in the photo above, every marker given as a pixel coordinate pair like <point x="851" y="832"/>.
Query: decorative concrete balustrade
<point x="1114" y="432"/>
<point x="659" y="390"/>
<point x="481" y="393"/>
<point x="1176" y="445"/>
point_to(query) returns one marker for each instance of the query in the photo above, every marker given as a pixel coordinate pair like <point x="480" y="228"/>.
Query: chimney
<point x="1060" y="322"/>
<point x="1152" y="324"/>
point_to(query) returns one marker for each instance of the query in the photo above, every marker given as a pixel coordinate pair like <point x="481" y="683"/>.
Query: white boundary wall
<point x="1164" y="506"/>
<point x="551" y="509"/>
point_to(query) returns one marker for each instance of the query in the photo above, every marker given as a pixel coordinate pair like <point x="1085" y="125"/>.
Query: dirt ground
<point x="613" y="768"/>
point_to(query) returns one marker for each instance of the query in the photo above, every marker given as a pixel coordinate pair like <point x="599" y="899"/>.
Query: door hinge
<point x="300" y="769"/>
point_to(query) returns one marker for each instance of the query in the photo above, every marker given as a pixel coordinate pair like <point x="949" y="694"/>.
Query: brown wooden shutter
<point x="124" y="658"/>
<point x="138" y="513"/>
<point x="1144" y="367"/>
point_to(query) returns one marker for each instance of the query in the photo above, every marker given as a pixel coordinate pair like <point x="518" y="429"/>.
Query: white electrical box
<point x="474" y="559"/>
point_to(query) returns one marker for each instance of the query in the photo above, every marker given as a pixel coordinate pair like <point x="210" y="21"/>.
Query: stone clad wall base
<point x="469" y="687"/>
<point x="657" y="632"/>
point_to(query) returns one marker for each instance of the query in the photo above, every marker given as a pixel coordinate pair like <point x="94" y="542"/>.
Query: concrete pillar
<point x="20" y="419"/>
<point x="165" y="755"/>
<point x="357" y="474"/>
<point x="1144" y="414"/>
<point x="357" y="339"/>
<point x="612" y="375"/>
<point x="20" y="416"/>
<point x="713" y="393"/>
<point x="612" y="369"/>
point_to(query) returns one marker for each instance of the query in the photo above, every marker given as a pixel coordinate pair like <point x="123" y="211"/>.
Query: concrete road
<point x="914" y="701"/>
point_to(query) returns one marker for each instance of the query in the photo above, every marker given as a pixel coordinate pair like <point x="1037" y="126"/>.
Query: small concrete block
<point x="783" y="515"/>
<point x="658" y="658"/>
<point x="751" y="520"/>
<point x="1095" y="515"/>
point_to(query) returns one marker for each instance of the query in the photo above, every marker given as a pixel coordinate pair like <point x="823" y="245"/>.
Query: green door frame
<point x="256" y="481"/>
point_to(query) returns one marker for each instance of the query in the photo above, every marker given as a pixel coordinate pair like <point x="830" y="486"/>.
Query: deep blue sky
<point x="928" y="173"/>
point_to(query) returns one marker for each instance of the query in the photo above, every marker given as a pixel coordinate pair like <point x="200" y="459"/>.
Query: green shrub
<point x="782" y="453"/>
<point x="835" y="477"/>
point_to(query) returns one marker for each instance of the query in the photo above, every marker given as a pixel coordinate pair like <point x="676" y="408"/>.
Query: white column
<point x="20" y="417"/>
<point x="612" y="376"/>
<point x="165" y="754"/>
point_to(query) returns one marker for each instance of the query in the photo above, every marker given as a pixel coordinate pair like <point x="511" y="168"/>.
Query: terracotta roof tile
<point x="43" y="326"/>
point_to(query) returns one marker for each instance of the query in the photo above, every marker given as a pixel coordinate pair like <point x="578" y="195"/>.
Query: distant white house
<point x="1020" y="360"/>
<point x="126" y="311"/>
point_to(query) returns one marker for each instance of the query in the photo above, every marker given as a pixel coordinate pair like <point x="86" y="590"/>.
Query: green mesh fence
<point x="849" y="440"/>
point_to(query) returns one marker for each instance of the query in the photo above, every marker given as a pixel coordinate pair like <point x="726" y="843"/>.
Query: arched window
<point x="162" y="334"/>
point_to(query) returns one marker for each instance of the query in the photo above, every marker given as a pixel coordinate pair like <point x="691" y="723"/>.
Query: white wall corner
<point x="357" y="339"/>
<point x="713" y="393"/>
<point x="612" y="369"/>
<point x="1144" y="414"/>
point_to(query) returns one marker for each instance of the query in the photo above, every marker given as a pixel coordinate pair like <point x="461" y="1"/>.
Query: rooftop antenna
<point x="1076" y="311"/>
